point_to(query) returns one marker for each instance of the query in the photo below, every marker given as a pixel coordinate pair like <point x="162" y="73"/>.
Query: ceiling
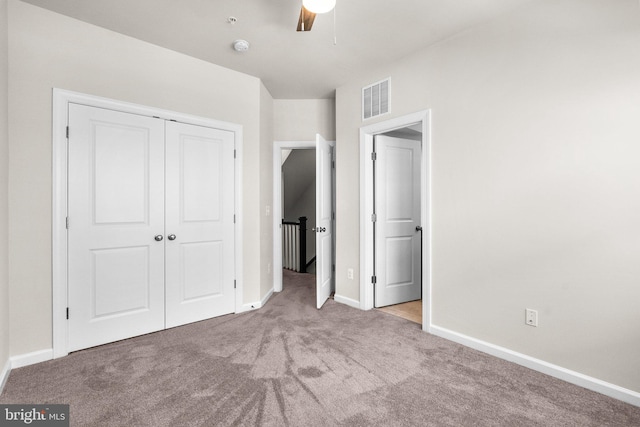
<point x="292" y="65"/>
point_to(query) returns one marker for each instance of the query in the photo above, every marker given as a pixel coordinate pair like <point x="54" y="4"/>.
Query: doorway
<point x="299" y="202"/>
<point x="405" y="263"/>
<point x="397" y="220"/>
<point x="322" y="228"/>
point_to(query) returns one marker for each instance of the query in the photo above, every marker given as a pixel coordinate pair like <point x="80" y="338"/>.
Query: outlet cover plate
<point x="531" y="317"/>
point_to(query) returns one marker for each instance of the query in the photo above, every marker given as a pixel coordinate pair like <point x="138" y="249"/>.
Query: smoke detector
<point x="241" y="45"/>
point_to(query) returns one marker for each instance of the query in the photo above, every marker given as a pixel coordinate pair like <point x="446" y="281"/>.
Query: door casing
<point x="366" y="207"/>
<point x="61" y="101"/>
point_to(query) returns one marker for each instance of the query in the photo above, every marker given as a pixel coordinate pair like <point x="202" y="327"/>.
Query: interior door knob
<point x="171" y="237"/>
<point x="158" y="237"/>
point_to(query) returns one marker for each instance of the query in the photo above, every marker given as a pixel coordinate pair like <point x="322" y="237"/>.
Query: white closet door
<point x="116" y="208"/>
<point x="199" y="223"/>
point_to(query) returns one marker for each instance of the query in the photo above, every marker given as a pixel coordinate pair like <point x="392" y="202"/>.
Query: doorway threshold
<point x="411" y="310"/>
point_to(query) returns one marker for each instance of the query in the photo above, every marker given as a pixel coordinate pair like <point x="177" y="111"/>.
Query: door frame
<point x="61" y="100"/>
<point x="366" y="207"/>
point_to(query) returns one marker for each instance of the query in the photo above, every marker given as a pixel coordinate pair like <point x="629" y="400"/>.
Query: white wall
<point x="535" y="181"/>
<point x="4" y="167"/>
<point x="301" y="119"/>
<point x="47" y="50"/>
<point x="266" y="192"/>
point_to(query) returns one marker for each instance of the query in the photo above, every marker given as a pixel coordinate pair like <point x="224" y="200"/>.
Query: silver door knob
<point x="313" y="229"/>
<point x="158" y="237"/>
<point x="171" y="237"/>
<point x="418" y="228"/>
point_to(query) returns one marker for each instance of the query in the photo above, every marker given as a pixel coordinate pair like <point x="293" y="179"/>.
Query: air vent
<point x="375" y="99"/>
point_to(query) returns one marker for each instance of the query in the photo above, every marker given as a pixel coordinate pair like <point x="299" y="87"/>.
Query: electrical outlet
<point x="531" y="317"/>
<point x="350" y="273"/>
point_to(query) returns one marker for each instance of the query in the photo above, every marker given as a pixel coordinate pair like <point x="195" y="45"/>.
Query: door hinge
<point x="234" y="218"/>
<point x="374" y="156"/>
<point x="66" y="222"/>
<point x="374" y="279"/>
<point x="67" y="132"/>
<point x="333" y="268"/>
<point x="333" y="215"/>
<point x="234" y="153"/>
<point x="234" y="284"/>
<point x="333" y="164"/>
<point x="67" y="313"/>
<point x="374" y="217"/>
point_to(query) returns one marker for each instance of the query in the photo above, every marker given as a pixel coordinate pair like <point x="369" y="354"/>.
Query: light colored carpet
<point x="290" y="364"/>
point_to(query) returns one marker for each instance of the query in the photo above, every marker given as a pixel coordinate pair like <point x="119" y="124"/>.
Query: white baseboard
<point x="31" y="358"/>
<point x="594" y="384"/>
<point x="347" y="301"/>
<point x="248" y="307"/>
<point x="266" y="298"/>
<point x="256" y="305"/>
<point x="4" y="374"/>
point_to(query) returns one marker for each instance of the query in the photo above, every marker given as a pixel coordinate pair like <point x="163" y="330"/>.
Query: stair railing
<point x="294" y="245"/>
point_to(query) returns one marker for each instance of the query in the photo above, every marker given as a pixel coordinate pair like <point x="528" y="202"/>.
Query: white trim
<point x="278" y="146"/>
<point x="239" y="248"/>
<point x="61" y="101"/>
<point x="594" y="384"/>
<point x="31" y="358"/>
<point x="266" y="298"/>
<point x="256" y="305"/>
<point x="346" y="301"/>
<point x="366" y="207"/>
<point x="4" y="374"/>
<point x="58" y="227"/>
<point x="250" y="306"/>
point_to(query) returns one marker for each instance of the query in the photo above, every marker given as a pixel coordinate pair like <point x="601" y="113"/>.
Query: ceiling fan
<point x="309" y="10"/>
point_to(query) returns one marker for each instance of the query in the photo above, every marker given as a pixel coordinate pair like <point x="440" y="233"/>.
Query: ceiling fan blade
<point x="305" y="22"/>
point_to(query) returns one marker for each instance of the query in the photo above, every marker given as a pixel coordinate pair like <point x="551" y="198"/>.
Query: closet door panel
<point x="116" y="208"/>
<point x="200" y="214"/>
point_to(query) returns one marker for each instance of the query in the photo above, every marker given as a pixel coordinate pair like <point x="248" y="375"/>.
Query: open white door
<point x="397" y="209"/>
<point x="324" y="220"/>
